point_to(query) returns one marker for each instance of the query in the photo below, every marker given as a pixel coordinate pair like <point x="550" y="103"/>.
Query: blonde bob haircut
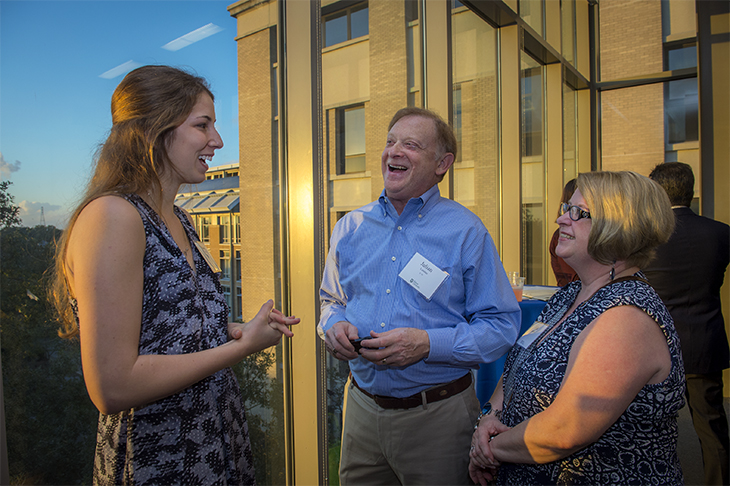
<point x="631" y="215"/>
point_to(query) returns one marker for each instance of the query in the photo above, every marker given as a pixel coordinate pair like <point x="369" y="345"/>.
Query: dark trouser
<point x="704" y="396"/>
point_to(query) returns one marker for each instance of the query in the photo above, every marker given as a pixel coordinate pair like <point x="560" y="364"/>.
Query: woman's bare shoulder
<point x="109" y="205"/>
<point x="109" y="218"/>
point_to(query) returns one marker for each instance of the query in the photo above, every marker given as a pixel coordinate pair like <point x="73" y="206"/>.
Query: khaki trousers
<point x="422" y="445"/>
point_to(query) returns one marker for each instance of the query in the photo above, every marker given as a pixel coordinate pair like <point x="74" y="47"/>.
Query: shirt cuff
<point x="441" y="345"/>
<point x="331" y="320"/>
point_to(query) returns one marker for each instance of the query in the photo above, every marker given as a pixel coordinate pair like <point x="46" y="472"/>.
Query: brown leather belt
<point x="435" y="394"/>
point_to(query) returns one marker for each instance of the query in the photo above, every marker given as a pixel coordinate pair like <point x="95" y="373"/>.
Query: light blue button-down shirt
<point x="472" y="317"/>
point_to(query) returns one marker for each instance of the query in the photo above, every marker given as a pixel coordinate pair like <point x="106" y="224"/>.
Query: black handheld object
<point x="357" y="343"/>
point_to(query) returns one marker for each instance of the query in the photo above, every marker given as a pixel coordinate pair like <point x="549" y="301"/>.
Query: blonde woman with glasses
<point x="590" y="394"/>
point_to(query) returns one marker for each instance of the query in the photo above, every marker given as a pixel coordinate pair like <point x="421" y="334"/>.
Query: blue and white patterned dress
<point x="197" y="436"/>
<point x="641" y="446"/>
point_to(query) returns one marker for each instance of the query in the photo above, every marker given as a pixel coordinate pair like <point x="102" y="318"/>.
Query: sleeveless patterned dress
<point x="198" y="436"/>
<point x="641" y="446"/>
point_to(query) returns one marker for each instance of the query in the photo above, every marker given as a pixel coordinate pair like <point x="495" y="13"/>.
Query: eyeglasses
<point x="575" y="212"/>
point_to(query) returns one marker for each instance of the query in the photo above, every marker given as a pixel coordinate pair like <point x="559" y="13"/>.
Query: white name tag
<point x="532" y="333"/>
<point x="423" y="275"/>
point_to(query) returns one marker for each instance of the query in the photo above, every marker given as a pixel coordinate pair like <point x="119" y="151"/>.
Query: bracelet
<point x="487" y="410"/>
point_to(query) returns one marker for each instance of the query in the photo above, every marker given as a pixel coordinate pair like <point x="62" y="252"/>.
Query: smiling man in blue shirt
<point x="419" y="275"/>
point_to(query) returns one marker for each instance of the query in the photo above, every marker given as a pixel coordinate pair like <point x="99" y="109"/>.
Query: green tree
<point x="9" y="212"/>
<point x="50" y="420"/>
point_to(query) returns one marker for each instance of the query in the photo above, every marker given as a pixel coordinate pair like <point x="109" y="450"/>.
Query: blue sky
<point x="54" y="104"/>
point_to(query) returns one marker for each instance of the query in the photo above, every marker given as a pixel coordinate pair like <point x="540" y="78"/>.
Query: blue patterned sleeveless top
<point x="641" y="446"/>
<point x="197" y="436"/>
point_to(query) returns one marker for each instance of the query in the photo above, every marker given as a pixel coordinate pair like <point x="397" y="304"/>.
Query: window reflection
<point x="570" y="133"/>
<point x="344" y="23"/>
<point x="225" y="230"/>
<point x="533" y="170"/>
<point x="626" y="113"/>
<point x="680" y="107"/>
<point x="531" y="12"/>
<point x="351" y="140"/>
<point x="205" y="229"/>
<point x="225" y="264"/>
<point x="567" y="12"/>
<point x="681" y="100"/>
<point x="475" y="117"/>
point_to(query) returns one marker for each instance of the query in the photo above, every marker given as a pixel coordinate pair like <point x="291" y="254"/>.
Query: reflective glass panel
<point x="570" y="133"/>
<point x="630" y="38"/>
<point x="359" y="22"/>
<point x="681" y="104"/>
<point x="533" y="171"/>
<point x="261" y="375"/>
<point x="335" y="29"/>
<point x="683" y="57"/>
<point x="475" y="117"/>
<point x="567" y="26"/>
<point x="354" y="132"/>
<point x="531" y="12"/>
<point x="632" y="128"/>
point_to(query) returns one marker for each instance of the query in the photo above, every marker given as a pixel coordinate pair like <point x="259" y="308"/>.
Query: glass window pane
<point x="413" y="48"/>
<point x="223" y="221"/>
<point x="359" y="23"/>
<point x="681" y="105"/>
<point x="622" y="55"/>
<point x="261" y="375"/>
<point x="475" y="117"/>
<point x="335" y="29"/>
<point x="411" y="10"/>
<point x="567" y="26"/>
<point x="533" y="171"/>
<point x="570" y="133"/>
<point x="683" y="57"/>
<point x="350" y="140"/>
<point x="531" y="12"/>
<point x="205" y="229"/>
<point x="632" y="123"/>
<point x="355" y="131"/>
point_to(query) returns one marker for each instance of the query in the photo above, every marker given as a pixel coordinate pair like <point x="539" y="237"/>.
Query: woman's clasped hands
<point x="265" y="329"/>
<point x="482" y="464"/>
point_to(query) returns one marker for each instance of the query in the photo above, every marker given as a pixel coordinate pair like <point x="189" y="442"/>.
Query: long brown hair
<point x="147" y="106"/>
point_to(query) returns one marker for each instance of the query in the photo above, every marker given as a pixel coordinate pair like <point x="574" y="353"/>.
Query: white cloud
<point x="53" y="214"/>
<point x="7" y="168"/>
<point x="192" y="37"/>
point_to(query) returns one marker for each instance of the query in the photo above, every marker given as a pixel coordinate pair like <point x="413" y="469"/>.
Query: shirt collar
<point x="423" y="203"/>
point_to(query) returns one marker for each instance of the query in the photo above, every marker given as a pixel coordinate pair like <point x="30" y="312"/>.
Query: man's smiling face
<point x="412" y="161"/>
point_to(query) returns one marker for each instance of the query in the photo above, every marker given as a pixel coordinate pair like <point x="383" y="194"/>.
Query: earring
<point x="613" y="270"/>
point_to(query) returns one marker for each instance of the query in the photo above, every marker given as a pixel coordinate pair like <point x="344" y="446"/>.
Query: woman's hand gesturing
<point x="265" y="329"/>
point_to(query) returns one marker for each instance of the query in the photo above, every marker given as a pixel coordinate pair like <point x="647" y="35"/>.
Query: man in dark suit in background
<point x="687" y="273"/>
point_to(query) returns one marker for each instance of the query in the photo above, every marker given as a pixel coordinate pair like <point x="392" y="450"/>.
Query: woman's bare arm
<point x="613" y="358"/>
